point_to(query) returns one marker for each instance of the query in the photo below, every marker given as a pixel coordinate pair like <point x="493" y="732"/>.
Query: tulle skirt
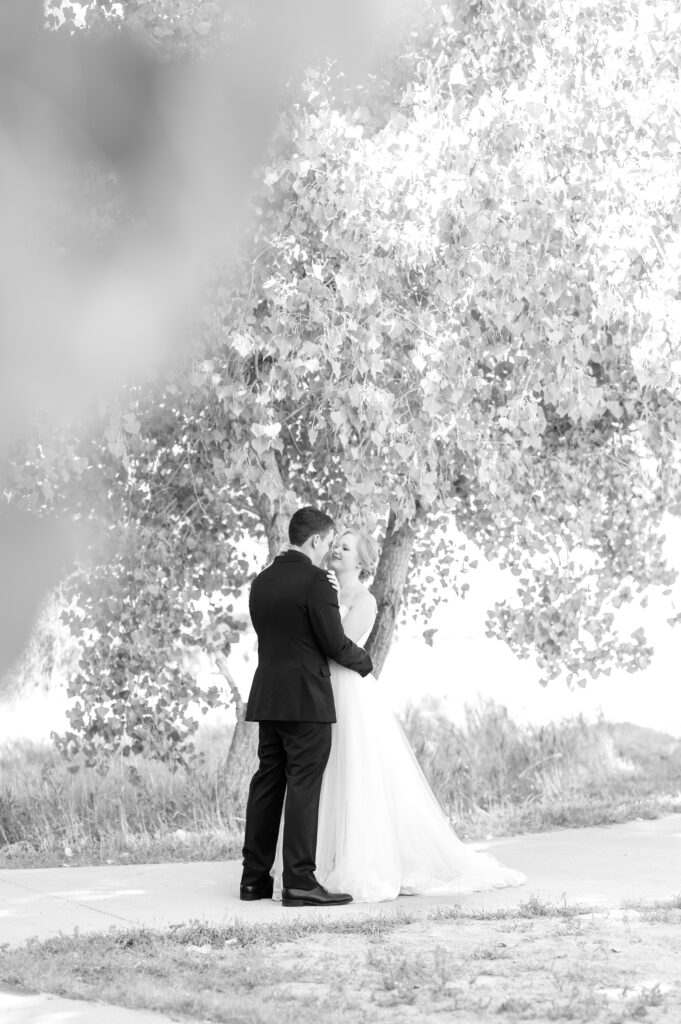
<point x="381" y="831"/>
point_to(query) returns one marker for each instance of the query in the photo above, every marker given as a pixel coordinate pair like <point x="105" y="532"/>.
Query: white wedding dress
<point x="381" y="831"/>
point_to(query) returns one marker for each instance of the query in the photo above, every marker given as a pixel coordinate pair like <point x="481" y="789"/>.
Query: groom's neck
<point x="302" y="551"/>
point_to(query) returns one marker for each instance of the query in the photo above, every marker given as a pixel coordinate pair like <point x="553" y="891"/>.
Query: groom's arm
<point x="325" y="621"/>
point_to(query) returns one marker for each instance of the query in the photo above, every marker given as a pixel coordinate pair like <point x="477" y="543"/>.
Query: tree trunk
<point x="277" y="534"/>
<point x="274" y="505"/>
<point x="388" y="585"/>
<point x="242" y="759"/>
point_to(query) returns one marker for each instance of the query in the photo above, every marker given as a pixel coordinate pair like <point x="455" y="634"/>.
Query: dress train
<point x="381" y="831"/>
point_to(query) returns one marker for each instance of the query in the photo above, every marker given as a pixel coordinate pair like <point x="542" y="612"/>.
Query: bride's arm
<point x="361" y="616"/>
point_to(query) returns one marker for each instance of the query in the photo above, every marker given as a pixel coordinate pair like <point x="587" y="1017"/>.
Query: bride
<point x="381" y="831"/>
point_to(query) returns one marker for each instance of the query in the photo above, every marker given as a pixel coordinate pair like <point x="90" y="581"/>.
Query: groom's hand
<point x="333" y="580"/>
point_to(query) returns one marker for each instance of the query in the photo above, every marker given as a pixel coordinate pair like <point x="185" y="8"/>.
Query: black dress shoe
<point x="317" y="897"/>
<point x="257" y="892"/>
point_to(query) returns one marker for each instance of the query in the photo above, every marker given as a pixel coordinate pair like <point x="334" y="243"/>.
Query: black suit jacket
<point x="295" y="612"/>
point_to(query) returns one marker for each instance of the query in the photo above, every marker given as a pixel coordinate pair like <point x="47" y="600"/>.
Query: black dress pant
<point x="293" y="756"/>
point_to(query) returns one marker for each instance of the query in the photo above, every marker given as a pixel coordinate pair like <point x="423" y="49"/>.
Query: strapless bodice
<point x="344" y="609"/>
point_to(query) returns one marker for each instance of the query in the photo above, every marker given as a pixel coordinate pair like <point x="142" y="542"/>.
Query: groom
<point x="294" y="609"/>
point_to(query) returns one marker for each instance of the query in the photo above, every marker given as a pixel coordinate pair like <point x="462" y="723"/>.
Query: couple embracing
<point x="339" y="807"/>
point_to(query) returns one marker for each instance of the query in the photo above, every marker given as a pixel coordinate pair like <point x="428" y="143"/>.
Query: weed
<point x="493" y="778"/>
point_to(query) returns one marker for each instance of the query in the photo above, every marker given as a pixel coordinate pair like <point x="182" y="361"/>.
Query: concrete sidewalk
<point x="34" y="1008"/>
<point x="640" y="860"/>
<point x="603" y="865"/>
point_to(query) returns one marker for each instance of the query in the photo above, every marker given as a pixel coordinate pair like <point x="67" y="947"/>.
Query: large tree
<point x="458" y="302"/>
<point x="462" y="299"/>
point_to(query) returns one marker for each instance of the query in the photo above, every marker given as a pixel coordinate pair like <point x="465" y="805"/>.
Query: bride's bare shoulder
<point x="365" y="599"/>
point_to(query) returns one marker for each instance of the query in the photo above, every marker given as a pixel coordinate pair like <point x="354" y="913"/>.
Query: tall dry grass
<point x="492" y="776"/>
<point x="51" y="815"/>
<point x="494" y="760"/>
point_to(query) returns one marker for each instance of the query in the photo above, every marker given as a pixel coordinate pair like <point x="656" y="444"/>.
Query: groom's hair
<point x="306" y="522"/>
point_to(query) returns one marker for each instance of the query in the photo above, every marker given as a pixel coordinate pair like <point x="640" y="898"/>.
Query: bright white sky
<point x="464" y="665"/>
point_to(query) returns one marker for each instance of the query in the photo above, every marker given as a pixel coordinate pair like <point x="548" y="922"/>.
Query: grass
<point x="495" y="777"/>
<point x="537" y="961"/>
<point x="492" y="776"/>
<point x="49" y="816"/>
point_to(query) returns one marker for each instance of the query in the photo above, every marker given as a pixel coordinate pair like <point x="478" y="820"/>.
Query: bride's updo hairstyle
<point x="367" y="551"/>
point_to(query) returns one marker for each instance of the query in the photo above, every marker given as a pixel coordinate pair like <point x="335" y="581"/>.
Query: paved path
<point x="33" y="1008"/>
<point x="608" y="865"/>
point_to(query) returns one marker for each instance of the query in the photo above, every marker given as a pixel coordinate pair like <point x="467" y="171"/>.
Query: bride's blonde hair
<point x="367" y="551"/>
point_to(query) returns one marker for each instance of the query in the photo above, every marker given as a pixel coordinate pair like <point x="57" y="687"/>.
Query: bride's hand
<point x="333" y="580"/>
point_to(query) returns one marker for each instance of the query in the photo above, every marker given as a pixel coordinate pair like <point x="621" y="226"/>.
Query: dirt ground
<point x="537" y="963"/>
<point x="610" y="967"/>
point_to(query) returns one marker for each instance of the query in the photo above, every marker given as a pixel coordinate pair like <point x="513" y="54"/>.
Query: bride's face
<point x="344" y="554"/>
